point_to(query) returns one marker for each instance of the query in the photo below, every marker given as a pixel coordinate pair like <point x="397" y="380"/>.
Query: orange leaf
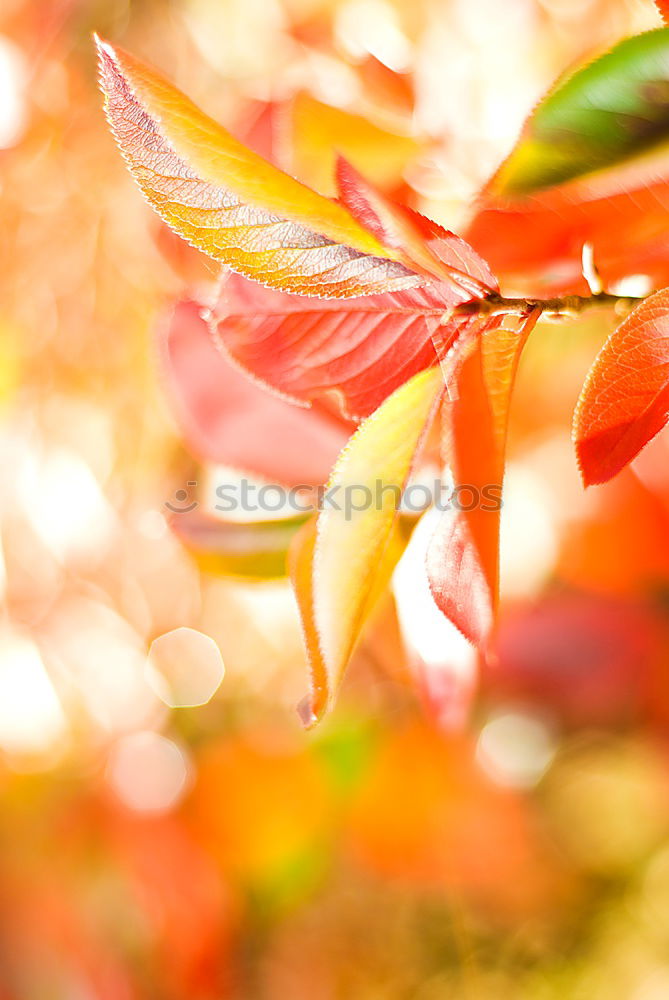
<point x="625" y="399"/>
<point x="320" y="131"/>
<point x="229" y="202"/>
<point x="340" y="568"/>
<point x="536" y="241"/>
<point x="463" y="556"/>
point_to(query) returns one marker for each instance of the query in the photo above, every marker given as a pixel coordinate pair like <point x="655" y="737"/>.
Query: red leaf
<point x="463" y="557"/>
<point x="663" y="7"/>
<point x="357" y="352"/>
<point x="625" y="399"/>
<point x="225" y="418"/>
<point x="590" y="657"/>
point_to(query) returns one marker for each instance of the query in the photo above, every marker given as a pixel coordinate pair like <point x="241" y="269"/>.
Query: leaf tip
<point x="587" y="478"/>
<point x="104" y="48"/>
<point x="108" y="67"/>
<point x="598" y="458"/>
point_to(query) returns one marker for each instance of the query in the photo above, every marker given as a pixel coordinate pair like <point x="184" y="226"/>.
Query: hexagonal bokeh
<point x="184" y="667"/>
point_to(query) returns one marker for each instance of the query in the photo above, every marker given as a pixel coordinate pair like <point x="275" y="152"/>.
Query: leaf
<point x="363" y="349"/>
<point x="340" y="571"/>
<point x="389" y="89"/>
<point x="426" y="245"/>
<point x="604" y="114"/>
<point x="300" y="568"/>
<point x="318" y="132"/>
<point x="227" y="419"/>
<point x="463" y="556"/>
<point x="356" y="352"/>
<point x="255" y="550"/>
<point x="663" y="7"/>
<point x="232" y="204"/>
<point x="536" y="242"/>
<point x="625" y="398"/>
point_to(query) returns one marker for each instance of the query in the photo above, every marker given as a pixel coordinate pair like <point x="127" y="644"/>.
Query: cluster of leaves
<point x="372" y="315"/>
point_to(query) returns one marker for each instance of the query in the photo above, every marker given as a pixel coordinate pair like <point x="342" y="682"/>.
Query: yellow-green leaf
<point x="607" y="113"/>
<point x="341" y="571"/>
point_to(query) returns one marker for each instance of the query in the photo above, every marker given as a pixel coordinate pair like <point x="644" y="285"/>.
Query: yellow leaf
<point x="320" y="133"/>
<point x="341" y="566"/>
<point x="231" y="203"/>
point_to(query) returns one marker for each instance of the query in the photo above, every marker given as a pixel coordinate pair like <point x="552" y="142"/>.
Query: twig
<point x="565" y="305"/>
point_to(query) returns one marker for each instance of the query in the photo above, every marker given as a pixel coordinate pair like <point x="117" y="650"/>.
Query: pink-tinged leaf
<point x="356" y="353"/>
<point x="625" y="398"/>
<point x="340" y="573"/>
<point x="231" y="203"/>
<point x="463" y="556"/>
<point x="425" y="245"/>
<point x="359" y="351"/>
<point x="442" y="662"/>
<point x="226" y="418"/>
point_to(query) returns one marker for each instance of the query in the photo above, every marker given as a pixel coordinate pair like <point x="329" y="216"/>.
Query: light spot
<point x="13" y="107"/>
<point x="516" y="748"/>
<point x="184" y="667"/>
<point x="31" y="717"/>
<point x="148" y="772"/>
<point x="528" y="533"/>
<point x="65" y="505"/>
<point x="633" y="284"/>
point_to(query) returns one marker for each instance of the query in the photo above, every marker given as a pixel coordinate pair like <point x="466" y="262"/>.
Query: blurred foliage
<point x="508" y="843"/>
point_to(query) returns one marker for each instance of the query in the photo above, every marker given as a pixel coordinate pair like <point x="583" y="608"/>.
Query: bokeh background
<point x="451" y="831"/>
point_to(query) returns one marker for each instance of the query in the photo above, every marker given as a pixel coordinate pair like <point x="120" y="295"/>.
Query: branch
<point x="559" y="307"/>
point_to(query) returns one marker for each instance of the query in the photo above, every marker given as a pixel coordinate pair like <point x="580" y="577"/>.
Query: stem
<point x="565" y="305"/>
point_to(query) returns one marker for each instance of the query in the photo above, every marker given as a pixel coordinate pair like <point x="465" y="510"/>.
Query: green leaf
<point x="605" y="114"/>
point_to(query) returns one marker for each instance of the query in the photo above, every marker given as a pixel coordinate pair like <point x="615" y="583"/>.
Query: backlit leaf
<point x="611" y="110"/>
<point x="229" y="202"/>
<point x="463" y="556"/>
<point x="301" y="569"/>
<point x="341" y="571"/>
<point x="426" y="245"/>
<point x="356" y="353"/>
<point x="625" y="398"/>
